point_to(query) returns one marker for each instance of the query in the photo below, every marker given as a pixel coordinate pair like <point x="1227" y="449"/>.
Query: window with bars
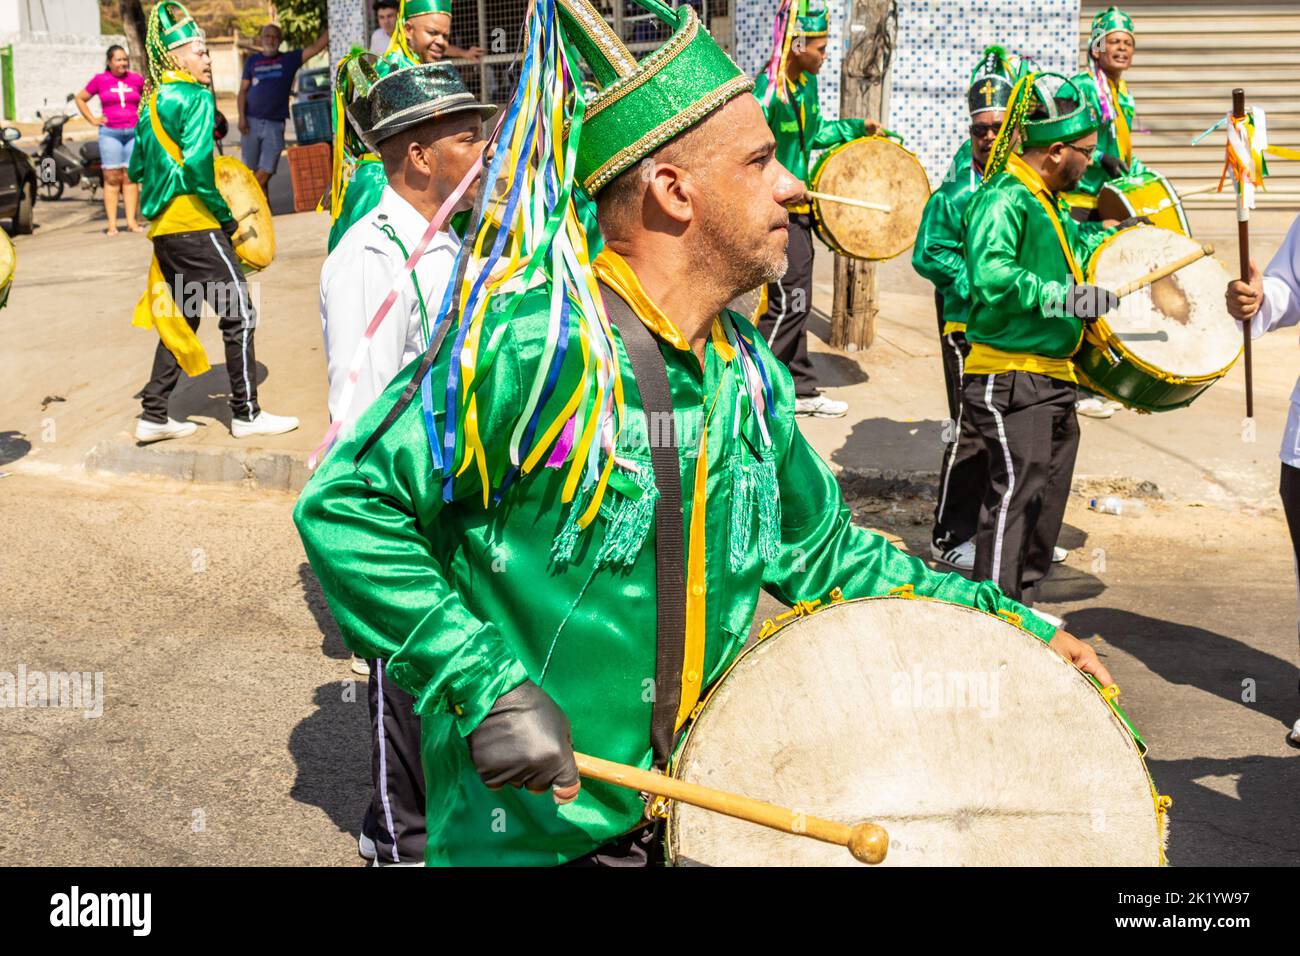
<point x="496" y="27"/>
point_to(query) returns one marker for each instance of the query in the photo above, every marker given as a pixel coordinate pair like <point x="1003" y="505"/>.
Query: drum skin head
<point x="877" y="170"/>
<point x="254" y="241"/>
<point x="1180" y="323"/>
<point x="969" y="740"/>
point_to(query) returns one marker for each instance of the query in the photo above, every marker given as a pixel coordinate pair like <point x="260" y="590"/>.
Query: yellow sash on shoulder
<point x="1122" y="137"/>
<point x="156" y="308"/>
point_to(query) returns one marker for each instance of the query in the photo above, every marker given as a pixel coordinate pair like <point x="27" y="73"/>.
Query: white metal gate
<point x="1189" y="57"/>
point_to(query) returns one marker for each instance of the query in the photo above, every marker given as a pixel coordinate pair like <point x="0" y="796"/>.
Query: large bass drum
<point x="877" y="170"/>
<point x="1163" y="345"/>
<point x="968" y="739"/>
<point x="254" y="240"/>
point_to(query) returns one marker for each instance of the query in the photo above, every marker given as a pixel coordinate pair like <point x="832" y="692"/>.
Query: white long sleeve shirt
<point x="1281" y="308"/>
<point x="355" y="280"/>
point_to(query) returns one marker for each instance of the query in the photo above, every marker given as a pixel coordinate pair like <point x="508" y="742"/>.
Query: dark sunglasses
<point x="980" y="130"/>
<point x="1087" y="153"/>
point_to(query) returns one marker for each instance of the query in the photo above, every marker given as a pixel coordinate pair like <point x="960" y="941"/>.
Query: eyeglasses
<point x="980" y="130"/>
<point x="1090" y="154"/>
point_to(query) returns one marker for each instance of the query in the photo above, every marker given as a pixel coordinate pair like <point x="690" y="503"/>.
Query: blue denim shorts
<point x="115" y="147"/>
<point x="261" y="148"/>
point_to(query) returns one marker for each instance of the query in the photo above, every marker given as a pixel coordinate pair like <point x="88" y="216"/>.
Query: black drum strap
<point x="670" y="553"/>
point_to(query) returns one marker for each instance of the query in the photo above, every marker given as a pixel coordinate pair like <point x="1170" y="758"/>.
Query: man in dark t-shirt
<point x="264" y="99"/>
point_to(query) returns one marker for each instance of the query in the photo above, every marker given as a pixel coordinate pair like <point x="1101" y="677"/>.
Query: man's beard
<point x="738" y="266"/>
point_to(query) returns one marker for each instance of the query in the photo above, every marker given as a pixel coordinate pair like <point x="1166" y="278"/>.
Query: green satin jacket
<point x="465" y="603"/>
<point x="1017" y="270"/>
<point x="939" y="254"/>
<point x="1107" y="141"/>
<point x="181" y="163"/>
<point x="798" y="126"/>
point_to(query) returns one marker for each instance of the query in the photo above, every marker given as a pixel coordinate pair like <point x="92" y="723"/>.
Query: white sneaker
<point x="961" y="557"/>
<point x="1051" y="619"/>
<point x="146" y="432"/>
<point x="1293" y="738"/>
<point x="360" y="666"/>
<point x="1094" y="408"/>
<point x="264" y="424"/>
<point x="366" y="847"/>
<point x="1059" y="555"/>
<point x="819" y="406"/>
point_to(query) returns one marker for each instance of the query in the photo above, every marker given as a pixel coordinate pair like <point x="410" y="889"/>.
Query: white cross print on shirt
<point x="121" y="90"/>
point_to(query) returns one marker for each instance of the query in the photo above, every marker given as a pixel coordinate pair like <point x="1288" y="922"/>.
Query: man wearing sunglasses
<point x="939" y="256"/>
<point x="1029" y="303"/>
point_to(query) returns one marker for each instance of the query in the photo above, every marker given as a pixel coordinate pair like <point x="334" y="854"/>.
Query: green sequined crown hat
<point x="643" y="105"/>
<point x="1069" y="116"/>
<point x="170" y="26"/>
<point x="406" y="98"/>
<point x="810" y="22"/>
<point x="1110" y="20"/>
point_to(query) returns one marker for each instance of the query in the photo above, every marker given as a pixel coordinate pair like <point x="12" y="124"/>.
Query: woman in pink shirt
<point x="119" y="92"/>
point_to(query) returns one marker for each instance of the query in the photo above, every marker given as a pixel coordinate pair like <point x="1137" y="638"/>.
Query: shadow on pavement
<point x="1229" y="812"/>
<point x="331" y="644"/>
<point x="207" y="394"/>
<point x="13" y="445"/>
<point x="1184" y="654"/>
<point x="332" y="751"/>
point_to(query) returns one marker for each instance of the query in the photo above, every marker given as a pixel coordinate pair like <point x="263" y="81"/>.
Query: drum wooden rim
<point x="822" y="226"/>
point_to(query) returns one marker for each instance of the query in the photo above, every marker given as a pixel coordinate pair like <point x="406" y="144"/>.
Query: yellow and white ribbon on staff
<point x="1247" y="139"/>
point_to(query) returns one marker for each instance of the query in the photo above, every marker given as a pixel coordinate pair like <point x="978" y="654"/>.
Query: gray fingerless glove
<point x="524" y="741"/>
<point x="1089" y="302"/>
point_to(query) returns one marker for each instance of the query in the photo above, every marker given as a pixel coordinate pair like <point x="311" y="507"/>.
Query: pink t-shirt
<point x="119" y="96"/>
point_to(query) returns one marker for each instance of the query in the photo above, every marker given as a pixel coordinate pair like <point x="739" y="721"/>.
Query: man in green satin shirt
<point x="522" y="643"/>
<point x="1110" y="55"/>
<point x="1029" y="303"/>
<point x="940" y="256"/>
<point x="793" y="113"/>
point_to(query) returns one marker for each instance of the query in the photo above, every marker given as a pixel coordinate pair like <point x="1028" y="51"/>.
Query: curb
<point x="276" y="471"/>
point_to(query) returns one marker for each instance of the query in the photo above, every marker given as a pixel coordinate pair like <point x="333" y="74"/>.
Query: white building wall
<point x="49" y="66"/>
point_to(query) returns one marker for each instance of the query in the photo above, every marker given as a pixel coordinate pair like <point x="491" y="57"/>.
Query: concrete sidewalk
<point x="72" y="363"/>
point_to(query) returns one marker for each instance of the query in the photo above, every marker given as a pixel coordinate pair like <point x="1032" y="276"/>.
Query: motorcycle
<point x="58" y="166"/>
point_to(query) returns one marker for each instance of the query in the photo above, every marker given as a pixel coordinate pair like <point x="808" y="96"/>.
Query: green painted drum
<point x="1165" y="344"/>
<point x="8" y="262"/>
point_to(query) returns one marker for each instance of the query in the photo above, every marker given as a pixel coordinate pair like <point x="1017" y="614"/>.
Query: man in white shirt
<point x="428" y="129"/>
<point x="1272" y="301"/>
<point x="386" y="15"/>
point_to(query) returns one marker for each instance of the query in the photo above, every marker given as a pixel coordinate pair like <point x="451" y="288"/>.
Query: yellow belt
<point x="986" y="360"/>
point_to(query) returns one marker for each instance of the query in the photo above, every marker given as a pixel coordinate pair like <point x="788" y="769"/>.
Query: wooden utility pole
<point x="868" y="50"/>
<point x="133" y="26"/>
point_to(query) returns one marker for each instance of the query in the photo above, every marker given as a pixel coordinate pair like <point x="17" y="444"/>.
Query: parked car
<point x="313" y="85"/>
<point x="17" y="182"/>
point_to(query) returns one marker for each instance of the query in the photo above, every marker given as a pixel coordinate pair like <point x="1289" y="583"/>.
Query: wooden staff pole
<point x="1243" y="251"/>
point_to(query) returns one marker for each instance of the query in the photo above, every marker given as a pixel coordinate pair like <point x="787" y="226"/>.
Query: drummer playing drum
<point x="1110" y="54"/>
<point x="793" y="114"/>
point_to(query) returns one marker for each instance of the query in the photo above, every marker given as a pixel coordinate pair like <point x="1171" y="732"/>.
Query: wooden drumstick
<point x="846" y="201"/>
<point x="868" y="842"/>
<point x="1243" y="253"/>
<point x="1156" y="275"/>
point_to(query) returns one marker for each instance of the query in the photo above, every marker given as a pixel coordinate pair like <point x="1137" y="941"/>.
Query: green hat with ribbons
<point x="1110" y="20"/>
<point x="175" y="25"/>
<point x="1044" y="108"/>
<point x="811" y="22"/>
<point x="642" y="105"/>
<point x="1069" y="115"/>
<point x="408" y="97"/>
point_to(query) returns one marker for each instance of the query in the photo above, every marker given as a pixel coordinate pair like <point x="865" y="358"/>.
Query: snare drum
<point x="254" y="240"/>
<point x="1163" y="345"/>
<point x="1146" y="194"/>
<point x="968" y="739"/>
<point x="878" y="170"/>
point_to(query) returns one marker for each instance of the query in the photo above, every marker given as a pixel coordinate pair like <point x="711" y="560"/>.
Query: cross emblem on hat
<point x="988" y="89"/>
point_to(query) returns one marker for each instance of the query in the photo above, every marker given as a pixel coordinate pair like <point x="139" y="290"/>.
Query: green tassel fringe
<point x="754" y="486"/>
<point x="627" y="521"/>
